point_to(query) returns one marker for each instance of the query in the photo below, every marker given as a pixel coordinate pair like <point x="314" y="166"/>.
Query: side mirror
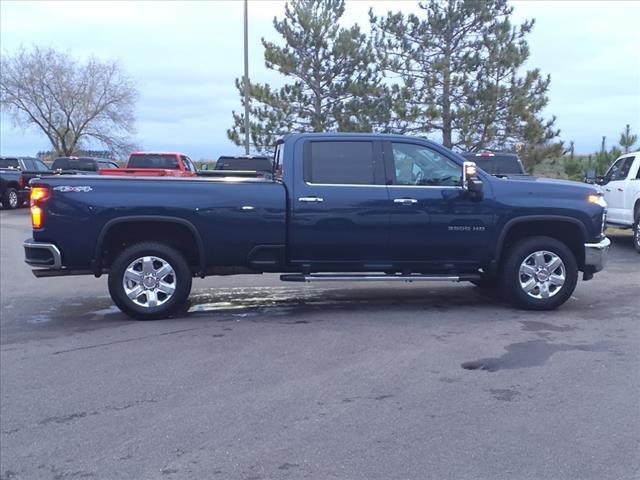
<point x="600" y="180"/>
<point x="204" y="166"/>
<point x="471" y="183"/>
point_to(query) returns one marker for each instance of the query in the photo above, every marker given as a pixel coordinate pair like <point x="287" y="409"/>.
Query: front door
<point x="617" y="181"/>
<point x="433" y="221"/>
<point x="340" y="207"/>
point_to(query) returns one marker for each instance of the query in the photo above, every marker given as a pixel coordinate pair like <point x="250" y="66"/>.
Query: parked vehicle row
<point x="357" y="207"/>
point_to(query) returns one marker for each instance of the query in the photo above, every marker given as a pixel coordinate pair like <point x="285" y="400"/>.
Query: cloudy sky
<point x="184" y="57"/>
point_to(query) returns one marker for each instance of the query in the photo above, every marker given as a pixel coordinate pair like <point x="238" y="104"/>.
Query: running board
<point x="378" y="278"/>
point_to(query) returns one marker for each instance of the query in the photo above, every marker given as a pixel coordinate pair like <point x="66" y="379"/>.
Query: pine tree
<point x="334" y="84"/>
<point x="459" y="66"/>
<point x="627" y="139"/>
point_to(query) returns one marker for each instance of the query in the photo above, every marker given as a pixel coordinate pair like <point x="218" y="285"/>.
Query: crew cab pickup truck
<point x="156" y="164"/>
<point x="621" y="188"/>
<point x="346" y="207"/>
<point x="15" y="173"/>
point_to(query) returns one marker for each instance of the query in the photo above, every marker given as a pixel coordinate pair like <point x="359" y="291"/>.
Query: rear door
<point x="340" y="205"/>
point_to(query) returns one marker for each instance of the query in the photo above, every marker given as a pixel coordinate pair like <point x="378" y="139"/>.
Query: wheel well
<point x="14" y="185"/>
<point x="566" y="232"/>
<point x="177" y="235"/>
<point x="636" y="209"/>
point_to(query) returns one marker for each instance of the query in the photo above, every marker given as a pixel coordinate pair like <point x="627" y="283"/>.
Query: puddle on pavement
<point x="534" y="353"/>
<point x="283" y="300"/>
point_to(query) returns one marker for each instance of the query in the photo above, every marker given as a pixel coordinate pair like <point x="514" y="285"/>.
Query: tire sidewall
<point x="511" y="288"/>
<point x="6" y="201"/>
<point x="183" y="281"/>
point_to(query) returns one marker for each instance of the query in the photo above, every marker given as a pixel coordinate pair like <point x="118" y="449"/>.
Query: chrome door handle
<point x="405" y="201"/>
<point x="311" y="199"/>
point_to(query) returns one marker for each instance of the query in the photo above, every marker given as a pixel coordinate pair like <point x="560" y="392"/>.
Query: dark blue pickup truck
<point x="345" y="207"/>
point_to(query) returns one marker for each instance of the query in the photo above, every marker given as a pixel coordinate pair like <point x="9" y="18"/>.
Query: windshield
<point x="153" y="160"/>
<point x="82" y="164"/>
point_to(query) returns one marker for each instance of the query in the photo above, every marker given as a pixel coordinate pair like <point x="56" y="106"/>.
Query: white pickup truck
<point x="621" y="189"/>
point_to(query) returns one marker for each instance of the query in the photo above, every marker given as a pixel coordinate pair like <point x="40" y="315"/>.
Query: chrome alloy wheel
<point x="542" y="274"/>
<point x="13" y="199"/>
<point x="149" y="281"/>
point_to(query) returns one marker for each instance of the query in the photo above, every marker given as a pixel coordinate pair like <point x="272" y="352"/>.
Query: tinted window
<point x="421" y="166"/>
<point x="339" y="163"/>
<point x="246" y="164"/>
<point x="152" y="160"/>
<point x="27" y="164"/>
<point x="9" y="163"/>
<point x="620" y="169"/>
<point x="82" y="164"/>
<point x="497" y="164"/>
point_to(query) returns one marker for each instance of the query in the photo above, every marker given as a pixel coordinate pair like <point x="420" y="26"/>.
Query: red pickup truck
<point x="155" y="164"/>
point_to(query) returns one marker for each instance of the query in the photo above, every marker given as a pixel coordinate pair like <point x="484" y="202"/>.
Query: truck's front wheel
<point x="540" y="273"/>
<point x="636" y="231"/>
<point x="149" y="281"/>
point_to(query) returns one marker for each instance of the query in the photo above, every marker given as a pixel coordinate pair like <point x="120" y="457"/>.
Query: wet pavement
<point x="268" y="380"/>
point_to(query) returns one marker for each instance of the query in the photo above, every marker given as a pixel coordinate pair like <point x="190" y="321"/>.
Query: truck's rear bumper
<point x="42" y="254"/>
<point x="595" y="255"/>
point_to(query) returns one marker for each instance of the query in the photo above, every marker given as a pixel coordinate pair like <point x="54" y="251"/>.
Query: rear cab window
<point x="9" y="163"/>
<point x="153" y="160"/>
<point x="339" y="163"/>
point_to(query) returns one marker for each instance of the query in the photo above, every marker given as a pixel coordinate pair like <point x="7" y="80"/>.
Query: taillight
<point x="38" y="195"/>
<point x="21" y="182"/>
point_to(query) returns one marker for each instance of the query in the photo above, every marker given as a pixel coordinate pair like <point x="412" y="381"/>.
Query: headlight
<point x="598" y="200"/>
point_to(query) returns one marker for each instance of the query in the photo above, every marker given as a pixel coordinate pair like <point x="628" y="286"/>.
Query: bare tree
<point x="75" y="104"/>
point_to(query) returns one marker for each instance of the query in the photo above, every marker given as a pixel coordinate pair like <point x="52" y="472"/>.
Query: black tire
<point x="636" y="231"/>
<point x="10" y="199"/>
<point x="180" y="278"/>
<point x="511" y="287"/>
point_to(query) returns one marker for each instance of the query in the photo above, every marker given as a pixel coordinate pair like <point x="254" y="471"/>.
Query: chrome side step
<point x="378" y="278"/>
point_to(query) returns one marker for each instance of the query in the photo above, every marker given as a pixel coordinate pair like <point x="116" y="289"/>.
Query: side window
<point x="339" y="163"/>
<point x="188" y="164"/>
<point x="421" y="166"/>
<point x="620" y="169"/>
<point x="27" y="164"/>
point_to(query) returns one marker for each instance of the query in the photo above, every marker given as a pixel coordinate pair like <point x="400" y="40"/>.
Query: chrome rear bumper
<point x="42" y="255"/>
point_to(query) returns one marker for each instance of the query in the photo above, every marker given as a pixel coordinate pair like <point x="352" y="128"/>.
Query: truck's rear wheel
<point x="10" y="199"/>
<point x="540" y="273"/>
<point x="149" y="281"/>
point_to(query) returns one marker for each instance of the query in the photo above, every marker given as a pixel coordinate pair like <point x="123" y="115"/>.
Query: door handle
<point x="620" y="189"/>
<point x="607" y="190"/>
<point x="405" y="201"/>
<point x="311" y="199"/>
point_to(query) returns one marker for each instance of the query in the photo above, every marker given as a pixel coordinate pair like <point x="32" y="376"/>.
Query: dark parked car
<point x="253" y="163"/>
<point x="81" y="165"/>
<point x="498" y="164"/>
<point x="359" y="207"/>
<point x="15" y="173"/>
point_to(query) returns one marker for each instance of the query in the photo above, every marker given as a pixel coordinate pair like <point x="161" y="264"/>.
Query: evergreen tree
<point x="334" y="84"/>
<point x="459" y="67"/>
<point x="627" y="139"/>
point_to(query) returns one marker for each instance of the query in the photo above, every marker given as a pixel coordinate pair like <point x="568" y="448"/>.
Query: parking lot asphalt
<point x="265" y="380"/>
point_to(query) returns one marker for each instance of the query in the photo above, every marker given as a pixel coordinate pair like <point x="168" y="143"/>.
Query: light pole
<point x="246" y="78"/>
